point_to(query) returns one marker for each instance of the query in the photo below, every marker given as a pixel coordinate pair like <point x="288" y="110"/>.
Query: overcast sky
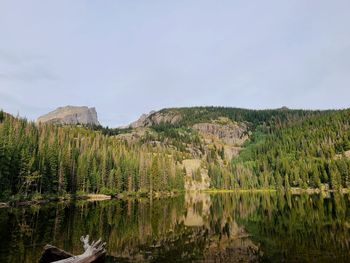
<point x="130" y="57"/>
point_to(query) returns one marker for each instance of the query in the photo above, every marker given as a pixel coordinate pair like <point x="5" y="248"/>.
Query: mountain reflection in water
<point x="194" y="227"/>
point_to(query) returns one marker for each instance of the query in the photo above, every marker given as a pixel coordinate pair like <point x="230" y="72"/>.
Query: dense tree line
<point x="279" y="117"/>
<point x="49" y="159"/>
<point x="306" y="152"/>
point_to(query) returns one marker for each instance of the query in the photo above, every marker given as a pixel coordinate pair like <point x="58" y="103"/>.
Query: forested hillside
<point x="306" y="152"/>
<point x="192" y="115"/>
<point x="272" y="149"/>
<point x="286" y="148"/>
<point x="50" y="159"/>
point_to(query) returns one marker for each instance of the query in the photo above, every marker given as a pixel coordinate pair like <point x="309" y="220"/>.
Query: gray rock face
<point x="71" y="115"/>
<point x="155" y="118"/>
<point x="232" y="133"/>
<point x="142" y="121"/>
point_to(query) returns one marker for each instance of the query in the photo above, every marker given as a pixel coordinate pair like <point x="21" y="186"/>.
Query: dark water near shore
<point x="230" y="227"/>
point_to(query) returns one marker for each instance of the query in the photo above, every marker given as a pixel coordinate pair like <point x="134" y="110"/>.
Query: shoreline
<point x="86" y="197"/>
<point x="158" y="195"/>
<point x="292" y="190"/>
<point x="267" y="190"/>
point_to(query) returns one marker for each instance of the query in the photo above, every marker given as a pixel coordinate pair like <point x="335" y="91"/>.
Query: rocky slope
<point x="232" y="133"/>
<point x="156" y="118"/>
<point x="71" y="115"/>
<point x="197" y="141"/>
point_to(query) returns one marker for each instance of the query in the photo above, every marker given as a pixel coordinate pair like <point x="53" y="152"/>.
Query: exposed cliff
<point x="156" y="118"/>
<point x="228" y="136"/>
<point x="232" y="133"/>
<point x="71" y="115"/>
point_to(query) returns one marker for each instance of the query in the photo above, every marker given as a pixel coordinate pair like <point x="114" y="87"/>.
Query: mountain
<point x="71" y="115"/>
<point x="155" y="118"/>
<point x="188" y="116"/>
<point x="242" y="148"/>
<point x="178" y="148"/>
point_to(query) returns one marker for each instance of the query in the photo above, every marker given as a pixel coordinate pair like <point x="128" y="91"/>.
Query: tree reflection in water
<point x="192" y="227"/>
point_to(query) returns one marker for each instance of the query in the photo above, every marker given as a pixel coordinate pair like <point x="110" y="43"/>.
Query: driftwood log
<point x="94" y="252"/>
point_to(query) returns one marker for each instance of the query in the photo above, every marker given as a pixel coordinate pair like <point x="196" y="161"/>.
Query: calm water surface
<point x="189" y="228"/>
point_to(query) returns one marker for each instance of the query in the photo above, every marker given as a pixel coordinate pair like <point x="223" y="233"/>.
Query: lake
<point x="193" y="227"/>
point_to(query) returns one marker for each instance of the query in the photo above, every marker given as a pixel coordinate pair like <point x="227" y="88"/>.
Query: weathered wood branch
<point x="52" y="254"/>
<point x="93" y="252"/>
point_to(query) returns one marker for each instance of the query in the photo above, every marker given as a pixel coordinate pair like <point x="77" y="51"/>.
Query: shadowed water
<point x="235" y="227"/>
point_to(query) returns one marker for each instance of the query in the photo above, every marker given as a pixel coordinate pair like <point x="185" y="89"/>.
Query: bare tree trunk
<point x="92" y="253"/>
<point x="52" y="254"/>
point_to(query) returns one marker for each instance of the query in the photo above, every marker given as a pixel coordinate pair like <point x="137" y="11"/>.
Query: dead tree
<point x="93" y="253"/>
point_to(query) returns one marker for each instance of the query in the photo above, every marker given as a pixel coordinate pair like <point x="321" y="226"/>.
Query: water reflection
<point x="191" y="227"/>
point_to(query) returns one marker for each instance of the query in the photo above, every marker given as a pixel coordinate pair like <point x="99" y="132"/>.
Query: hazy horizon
<point x="128" y="58"/>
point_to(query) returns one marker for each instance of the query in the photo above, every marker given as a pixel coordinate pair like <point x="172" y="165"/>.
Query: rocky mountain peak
<point x="71" y="115"/>
<point x="155" y="118"/>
